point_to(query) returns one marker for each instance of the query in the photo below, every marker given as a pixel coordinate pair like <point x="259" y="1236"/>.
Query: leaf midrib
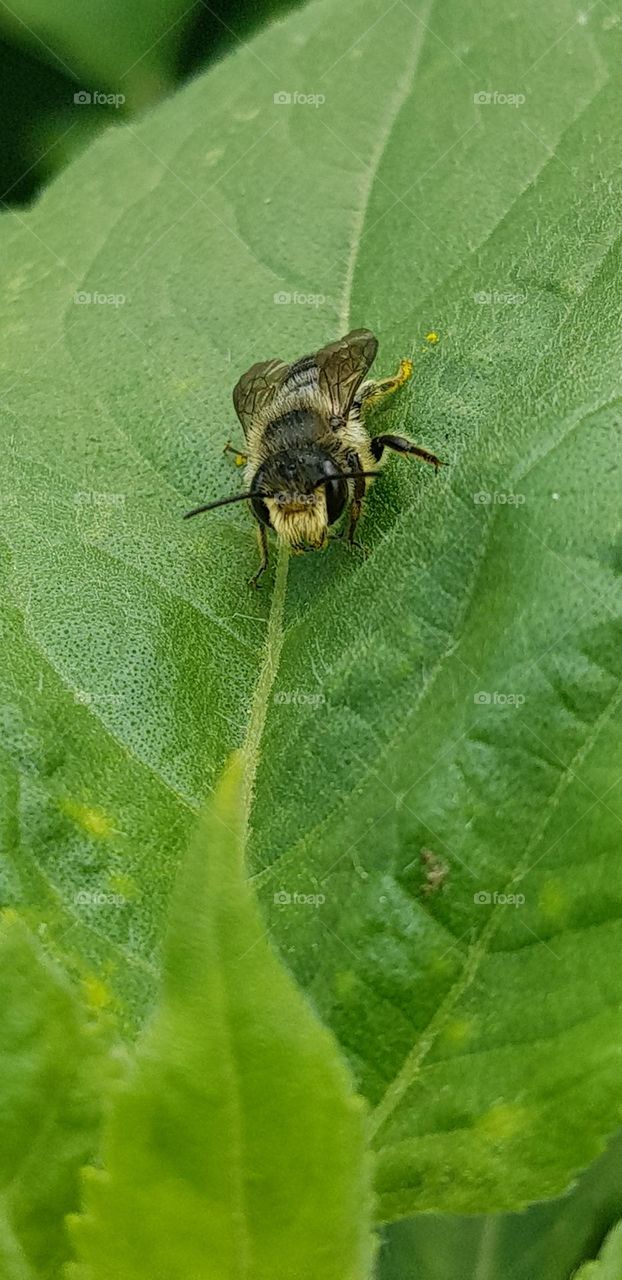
<point x="403" y="92"/>
<point x="267" y="675"/>
<point x="275" y="633"/>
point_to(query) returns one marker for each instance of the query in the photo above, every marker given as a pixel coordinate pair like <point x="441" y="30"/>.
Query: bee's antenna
<point x="221" y="502"/>
<point x="346" y="475"/>
<point x="255" y="493"/>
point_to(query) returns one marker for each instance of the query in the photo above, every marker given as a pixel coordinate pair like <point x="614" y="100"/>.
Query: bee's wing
<point x="256" y="389"/>
<point x="343" y="365"/>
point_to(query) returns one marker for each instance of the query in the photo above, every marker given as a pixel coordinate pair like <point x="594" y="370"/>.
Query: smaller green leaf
<point x="51" y="1080"/>
<point x="608" y="1264"/>
<point x="237" y="1148"/>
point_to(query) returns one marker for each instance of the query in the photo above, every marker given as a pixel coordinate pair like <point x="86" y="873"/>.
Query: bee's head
<point x="299" y="493"/>
<point x="308" y="492"/>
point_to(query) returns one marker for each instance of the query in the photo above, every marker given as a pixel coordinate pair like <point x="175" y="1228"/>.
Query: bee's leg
<point x="401" y="445"/>
<point x="372" y="393"/>
<point x="355" y="513"/>
<point x="240" y="458"/>
<point x="262" y="539"/>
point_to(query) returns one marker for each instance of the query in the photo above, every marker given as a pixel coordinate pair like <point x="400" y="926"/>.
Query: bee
<point x="309" y="454"/>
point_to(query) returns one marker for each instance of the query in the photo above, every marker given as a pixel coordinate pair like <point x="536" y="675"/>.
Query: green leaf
<point x="238" y="1147"/>
<point x="609" y="1263"/>
<point x="129" y="48"/>
<point x="548" y="1240"/>
<point x="486" y="1036"/>
<point x="37" y="96"/>
<point x="51" y="1077"/>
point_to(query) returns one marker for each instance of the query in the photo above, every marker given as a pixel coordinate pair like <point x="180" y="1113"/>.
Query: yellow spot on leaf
<point x="93" y="821"/>
<point x="96" y="992"/>
<point x="553" y="901"/>
<point x="504" y="1120"/>
<point x="442" y="966"/>
<point x="125" y="886"/>
<point x="458" y="1031"/>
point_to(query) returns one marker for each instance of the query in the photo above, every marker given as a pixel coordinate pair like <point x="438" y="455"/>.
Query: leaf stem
<point x="259" y="707"/>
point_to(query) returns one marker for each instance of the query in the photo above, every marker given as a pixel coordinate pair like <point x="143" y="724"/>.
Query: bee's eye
<point x="261" y="510"/>
<point x="336" y="494"/>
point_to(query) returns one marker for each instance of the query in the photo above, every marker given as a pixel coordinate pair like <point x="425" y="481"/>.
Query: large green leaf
<point x="131" y="48"/>
<point x="52" y="1069"/>
<point x="237" y="1148"/>
<point x="380" y="701"/>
